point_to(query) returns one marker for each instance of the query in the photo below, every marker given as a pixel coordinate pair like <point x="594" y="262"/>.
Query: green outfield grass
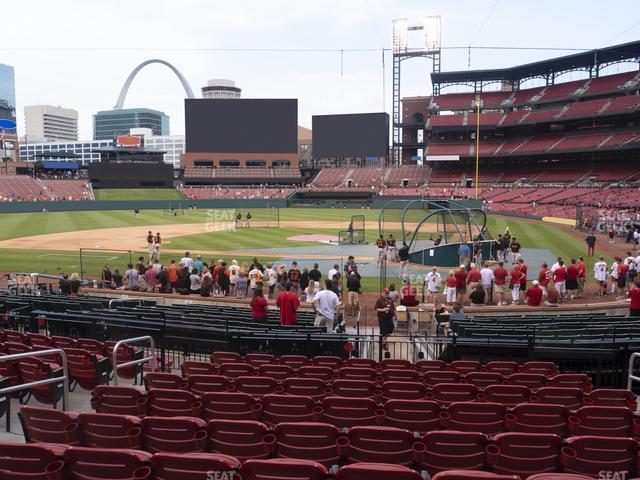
<point x="138" y="194"/>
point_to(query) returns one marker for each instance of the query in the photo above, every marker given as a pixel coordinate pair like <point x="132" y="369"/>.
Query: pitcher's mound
<point x="314" y="237"/>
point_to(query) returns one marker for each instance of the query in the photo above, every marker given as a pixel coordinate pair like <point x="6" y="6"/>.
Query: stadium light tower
<point x="428" y="48"/>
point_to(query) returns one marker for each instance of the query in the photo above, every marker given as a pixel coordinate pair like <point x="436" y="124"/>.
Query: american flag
<point x="2" y="135"/>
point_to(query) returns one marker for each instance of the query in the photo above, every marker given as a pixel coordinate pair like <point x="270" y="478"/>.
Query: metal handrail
<point x="128" y="341"/>
<point x="40" y="353"/>
<point x="631" y="377"/>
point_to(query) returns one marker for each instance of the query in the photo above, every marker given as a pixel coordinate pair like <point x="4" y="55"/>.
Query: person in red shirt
<point x="258" y="306"/>
<point x="623" y="270"/>
<point x="450" y="287"/>
<point x="544" y="276"/>
<point x="408" y="294"/>
<point x="173" y="275"/>
<point x="288" y="303"/>
<point x="582" y="276"/>
<point x="473" y="277"/>
<point x="560" y="279"/>
<point x="523" y="271"/>
<point x="516" y="277"/>
<point x="634" y="294"/>
<point x="572" y="279"/>
<point x="461" y="283"/>
<point x="534" y="294"/>
<point x="499" y="283"/>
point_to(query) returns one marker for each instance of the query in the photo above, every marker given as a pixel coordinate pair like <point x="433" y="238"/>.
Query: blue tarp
<point x="49" y="165"/>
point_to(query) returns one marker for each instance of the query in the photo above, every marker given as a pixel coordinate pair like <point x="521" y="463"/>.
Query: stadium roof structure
<point x="592" y="61"/>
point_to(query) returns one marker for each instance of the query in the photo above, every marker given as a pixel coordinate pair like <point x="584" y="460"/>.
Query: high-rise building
<point x="7" y="88"/>
<point x="108" y="124"/>
<point x="221" y="88"/>
<point x="46" y="123"/>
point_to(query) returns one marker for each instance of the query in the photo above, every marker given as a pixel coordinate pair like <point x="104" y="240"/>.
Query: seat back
<point x="173" y="403"/>
<point x="164" y="380"/>
<point x="399" y="375"/>
<point x="242" y="439"/>
<point x="590" y="455"/>
<point x="278" y="408"/>
<point x="381" y="444"/>
<point x="612" y="397"/>
<point x="235" y="370"/>
<point x="327" y="361"/>
<point x="37" y="339"/>
<point x="395" y="363"/>
<point x="538" y="418"/>
<point x="258" y="359"/>
<point x="483" y="379"/>
<point x="485" y="417"/>
<point x="509" y="395"/>
<point x="475" y="474"/>
<point x="294" y="361"/>
<point x="604" y="422"/>
<point x="119" y="400"/>
<point x="548" y="369"/>
<point x="315" y="388"/>
<point x="451" y="450"/>
<point x="376" y="471"/>
<point x="423" y="366"/>
<point x="31" y="461"/>
<point x="569" y="397"/>
<point x="361" y="363"/>
<point x="191" y="367"/>
<point x="201" y="384"/>
<point x="46" y="425"/>
<point x="465" y="366"/>
<point x="323" y="373"/>
<point x="32" y="369"/>
<point x="506" y="368"/>
<point x="277" y="372"/>
<point x="353" y="388"/>
<point x="308" y="441"/>
<point x="257" y="386"/>
<point x="414" y="415"/>
<point x="104" y="430"/>
<point x="447" y="393"/>
<point x="64" y="342"/>
<point x="174" y="434"/>
<point x="88" y="344"/>
<point x="572" y="380"/>
<point x="524" y="454"/>
<point x="433" y="377"/>
<point x="218" y="358"/>
<point x="107" y="464"/>
<point x="126" y="353"/>
<point x="404" y="391"/>
<point x="282" y="468"/>
<point x="358" y="373"/>
<point x="230" y="406"/>
<point x="192" y="466"/>
<point x="349" y="412"/>
<point x="532" y="381"/>
<point x="87" y="369"/>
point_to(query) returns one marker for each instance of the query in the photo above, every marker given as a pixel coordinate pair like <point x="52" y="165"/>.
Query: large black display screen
<point x="241" y="125"/>
<point x="130" y="175"/>
<point x="352" y="135"/>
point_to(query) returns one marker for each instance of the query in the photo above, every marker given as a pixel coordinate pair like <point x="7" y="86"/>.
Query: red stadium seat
<point x="15" y="336"/>
<point x="399" y="375"/>
<point x="218" y="358"/>
<point x="451" y="450"/>
<point x="532" y="381"/>
<point x="358" y="373"/>
<point x="590" y="455"/>
<point x="174" y="434"/>
<point x="257" y="359"/>
<point x="430" y="365"/>
<point x="524" y="454"/>
<point x="604" y="422"/>
<point x="126" y="353"/>
<point x="571" y="380"/>
<point x="230" y="406"/>
<point x="353" y="388"/>
<point x="282" y="468"/>
<point x="88" y="344"/>
<point x="39" y="340"/>
<point x="447" y="393"/>
<point x="404" y="391"/>
<point x="361" y="363"/>
<point x="32" y="462"/>
<point x="610" y="397"/>
<point x="201" y="384"/>
<point x="483" y="379"/>
<point x="191" y="367"/>
<point x="509" y="395"/>
<point x="504" y="367"/>
<point x="235" y="370"/>
<point x="327" y="361"/>
<point x="288" y="408"/>
<point x="569" y="397"/>
<point x="308" y="441"/>
<point x="309" y="387"/>
<point x="119" y="400"/>
<point x="164" y="380"/>
<point x="472" y="475"/>
<point x="381" y="444"/>
<point x="107" y="464"/>
<point x="192" y="466"/>
<point x="65" y="342"/>
<point x="558" y="476"/>
<point x="538" y="418"/>
<point x="545" y="368"/>
<point x="326" y="374"/>
<point x="294" y="361"/>
<point x="257" y="386"/>
<point x="482" y="417"/>
<point x="376" y="471"/>
<point x="433" y="377"/>
<point x="173" y="403"/>
<point x="86" y="369"/>
<point x="415" y="415"/>
<point x="33" y="369"/>
<point x="395" y="363"/>
<point x="242" y="439"/>
<point x="46" y="425"/>
<point x="349" y="412"/>
<point x="278" y="372"/>
<point x="465" y="366"/>
<point x="103" y="430"/>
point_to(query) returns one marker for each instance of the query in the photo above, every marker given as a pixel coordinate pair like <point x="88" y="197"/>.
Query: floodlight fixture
<point x="400" y="28"/>
<point x="432" y="33"/>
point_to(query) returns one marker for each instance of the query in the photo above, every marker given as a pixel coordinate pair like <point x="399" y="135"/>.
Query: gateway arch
<point x="127" y="83"/>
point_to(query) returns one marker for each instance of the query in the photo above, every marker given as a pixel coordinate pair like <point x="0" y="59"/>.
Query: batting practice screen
<point x="353" y="135"/>
<point x="241" y="125"/>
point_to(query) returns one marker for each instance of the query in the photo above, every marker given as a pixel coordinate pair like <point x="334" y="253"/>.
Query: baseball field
<point x="52" y="242"/>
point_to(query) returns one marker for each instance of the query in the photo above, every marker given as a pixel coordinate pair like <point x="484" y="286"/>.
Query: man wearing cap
<point x="461" y="283"/>
<point x="464" y="252"/>
<point x="600" y="274"/>
<point x="434" y="280"/>
<point x="500" y="275"/>
<point x="534" y="294"/>
<point x="386" y="311"/>
<point x="403" y="256"/>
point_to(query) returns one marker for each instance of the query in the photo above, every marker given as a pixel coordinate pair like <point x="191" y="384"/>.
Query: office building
<point x="221" y="88"/>
<point x="172" y="145"/>
<point x="46" y="123"/>
<point x="108" y="124"/>
<point x="7" y="87"/>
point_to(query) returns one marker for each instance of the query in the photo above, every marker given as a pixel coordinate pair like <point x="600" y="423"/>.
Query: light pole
<point x="478" y="104"/>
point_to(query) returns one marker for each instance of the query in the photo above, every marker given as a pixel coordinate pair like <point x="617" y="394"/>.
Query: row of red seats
<point x="511" y="453"/>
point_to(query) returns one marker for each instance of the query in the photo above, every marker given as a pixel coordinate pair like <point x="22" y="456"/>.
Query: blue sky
<point x="78" y="53"/>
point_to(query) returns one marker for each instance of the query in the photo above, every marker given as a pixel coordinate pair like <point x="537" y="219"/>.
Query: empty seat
<point x="569" y="397"/>
<point x="548" y="369"/>
<point x="192" y="466"/>
<point x="15" y="336"/>
<point x="473" y="475"/>
<point x="509" y="395"/>
<point x="164" y="380"/>
<point x="399" y="375"/>
<point x="294" y="361"/>
<point x="557" y="476"/>
<point x="465" y="366"/>
<point x="283" y="468"/>
<point x="353" y="388"/>
<point x="33" y="369"/>
<point x="358" y="373"/>
<point x="327" y="361"/>
<point x="257" y="359"/>
<point x="376" y="471"/>
<point x="447" y="393"/>
<point x="348" y="412"/>
<point x="590" y="455"/>
<point x="571" y="380"/>
<point x="361" y="363"/>
<point x="325" y="374"/>
<point x="89" y="344"/>
<point x="538" y="418"/>
<point x="309" y="387"/>
<point x="483" y="379"/>
<point x="103" y="430"/>
<point x="430" y="365"/>
<point x="46" y="425"/>
<point x="308" y="441"/>
<point x="288" y="408"/>
<point x="611" y="397"/>
<point x="395" y="363"/>
<point x="219" y="358"/>
<point x="230" y="406"/>
<point x="201" y="384"/>
<point x="604" y="422"/>
<point x="235" y="370"/>
<point x="242" y="439"/>
<point x="381" y="444"/>
<point x="32" y="461"/>
<point x="506" y="368"/>
<point x="433" y="377"/>
<point x="39" y="340"/>
<point x="174" y="434"/>
<point x="482" y="417"/>
<point x="191" y="367"/>
<point x="451" y="450"/>
<point x="279" y="372"/>
<point x="524" y="454"/>
<point x="403" y="390"/>
<point x="64" y="342"/>
<point x="415" y="415"/>
<point x="87" y="369"/>
<point x="173" y="403"/>
<point x="125" y="354"/>
<point x="532" y="381"/>
<point x="257" y="386"/>
<point x="107" y="464"/>
<point x="119" y="400"/>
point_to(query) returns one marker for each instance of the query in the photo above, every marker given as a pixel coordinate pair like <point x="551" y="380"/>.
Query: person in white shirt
<point x="325" y="304"/>
<point x="234" y="272"/>
<point x="613" y="274"/>
<point x="487" y="279"/>
<point x="255" y="278"/>
<point x="333" y="271"/>
<point x="556" y="265"/>
<point x="311" y="291"/>
<point x="433" y="280"/>
<point x="187" y="261"/>
<point x="271" y="277"/>
<point x="600" y="271"/>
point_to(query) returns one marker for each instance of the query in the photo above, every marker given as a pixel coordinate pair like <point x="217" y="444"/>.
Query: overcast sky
<point x="77" y="53"/>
